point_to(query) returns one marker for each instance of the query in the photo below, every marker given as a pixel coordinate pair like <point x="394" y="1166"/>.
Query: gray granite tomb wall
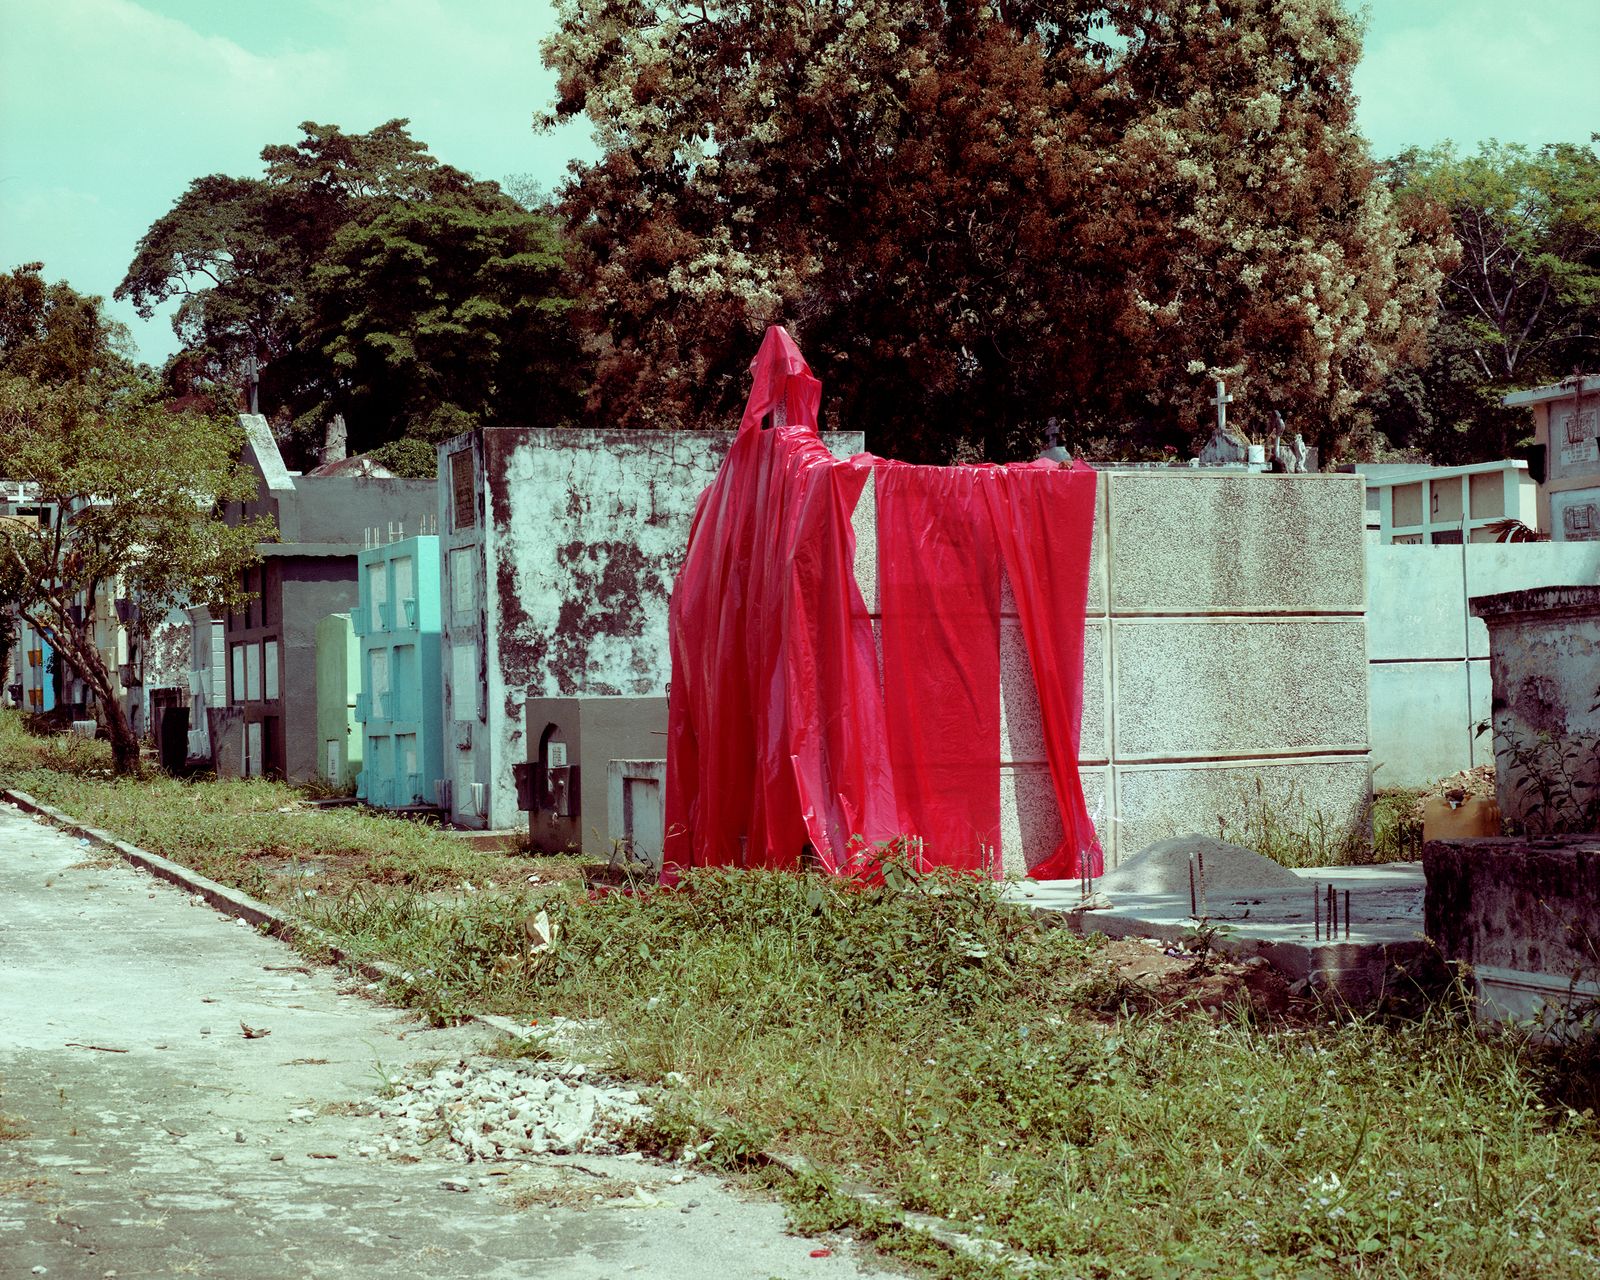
<point x="1225" y="649"/>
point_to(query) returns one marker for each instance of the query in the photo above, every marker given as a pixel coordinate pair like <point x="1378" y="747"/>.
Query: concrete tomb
<point x="208" y="677"/>
<point x="636" y="807"/>
<point x="1524" y="914"/>
<point x="1224" y="660"/>
<point x="558" y="553"/>
<point x="572" y="743"/>
<point x="338" y="684"/>
<point x="1544" y="667"/>
<point x="324" y="519"/>
<point x="401" y="700"/>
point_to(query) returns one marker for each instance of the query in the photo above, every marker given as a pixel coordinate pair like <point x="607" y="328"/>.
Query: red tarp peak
<point x="786" y="738"/>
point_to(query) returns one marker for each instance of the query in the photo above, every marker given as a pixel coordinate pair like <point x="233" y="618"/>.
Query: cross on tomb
<point x="1053" y="452"/>
<point x="252" y="383"/>
<point x="1222" y="400"/>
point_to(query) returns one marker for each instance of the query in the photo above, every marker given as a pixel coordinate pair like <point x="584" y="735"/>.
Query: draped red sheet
<point x="782" y="732"/>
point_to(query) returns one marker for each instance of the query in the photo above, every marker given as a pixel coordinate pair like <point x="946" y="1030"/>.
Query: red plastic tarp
<point x="784" y="731"/>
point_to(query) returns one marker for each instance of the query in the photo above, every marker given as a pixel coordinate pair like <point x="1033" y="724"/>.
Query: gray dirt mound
<point x="1163" y="867"/>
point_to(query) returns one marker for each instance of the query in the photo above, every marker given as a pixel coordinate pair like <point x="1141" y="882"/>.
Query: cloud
<point x="110" y="108"/>
<point x="1470" y="70"/>
<point x="109" y="111"/>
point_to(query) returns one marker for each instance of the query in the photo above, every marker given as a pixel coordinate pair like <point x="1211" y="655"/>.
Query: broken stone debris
<point x="509" y="1111"/>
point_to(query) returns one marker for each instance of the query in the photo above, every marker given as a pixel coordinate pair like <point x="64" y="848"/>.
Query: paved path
<point x="159" y="1160"/>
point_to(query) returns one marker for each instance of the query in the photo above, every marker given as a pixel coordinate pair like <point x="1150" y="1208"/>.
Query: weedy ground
<point x="1289" y="833"/>
<point x="261" y="836"/>
<point x="951" y="1050"/>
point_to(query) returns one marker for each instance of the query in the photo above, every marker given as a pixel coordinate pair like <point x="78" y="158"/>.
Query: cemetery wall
<point x="1224" y="663"/>
<point x="1428" y="672"/>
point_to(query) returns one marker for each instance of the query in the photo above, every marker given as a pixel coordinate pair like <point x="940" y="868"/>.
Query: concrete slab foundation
<point x="1385" y="933"/>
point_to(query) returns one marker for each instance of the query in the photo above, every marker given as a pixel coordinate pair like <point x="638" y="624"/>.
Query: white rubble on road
<point x="509" y="1111"/>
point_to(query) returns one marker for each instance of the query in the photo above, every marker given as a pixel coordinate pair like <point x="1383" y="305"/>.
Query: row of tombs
<point x="511" y="664"/>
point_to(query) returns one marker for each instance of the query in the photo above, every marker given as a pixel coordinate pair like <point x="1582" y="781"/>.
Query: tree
<point x="52" y="334"/>
<point x="976" y="218"/>
<point x="136" y="491"/>
<point x="1520" y="307"/>
<point x="443" y="315"/>
<point x="241" y="254"/>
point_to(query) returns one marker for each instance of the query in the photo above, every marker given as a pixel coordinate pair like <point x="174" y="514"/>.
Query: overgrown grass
<point x="947" y="1047"/>
<point x="1293" y="834"/>
<point x="944" y="1046"/>
<point x="254" y="834"/>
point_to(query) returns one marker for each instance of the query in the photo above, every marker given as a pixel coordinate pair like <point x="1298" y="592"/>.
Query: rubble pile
<point x="508" y="1111"/>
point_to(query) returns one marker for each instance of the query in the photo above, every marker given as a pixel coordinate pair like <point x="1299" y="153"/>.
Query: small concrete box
<point x="636" y="807"/>
<point x="1544" y="664"/>
<point x="571" y="742"/>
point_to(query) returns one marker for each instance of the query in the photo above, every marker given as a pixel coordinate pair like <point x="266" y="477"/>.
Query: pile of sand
<point x="1163" y="867"/>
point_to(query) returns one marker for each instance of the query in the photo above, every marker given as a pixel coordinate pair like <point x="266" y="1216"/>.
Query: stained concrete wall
<point x="1544" y="669"/>
<point x="1428" y="673"/>
<point x="1516" y="903"/>
<point x="1225" y="650"/>
<point x="164" y="665"/>
<point x="556" y="581"/>
<point x="1525" y="914"/>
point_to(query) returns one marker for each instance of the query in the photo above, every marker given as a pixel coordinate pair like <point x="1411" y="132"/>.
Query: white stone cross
<point x="1222" y="400"/>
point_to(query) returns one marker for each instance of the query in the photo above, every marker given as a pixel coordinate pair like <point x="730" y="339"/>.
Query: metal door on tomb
<point x="463" y="743"/>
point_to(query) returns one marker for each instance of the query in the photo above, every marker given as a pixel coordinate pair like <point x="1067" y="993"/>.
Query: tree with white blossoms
<point x="978" y="217"/>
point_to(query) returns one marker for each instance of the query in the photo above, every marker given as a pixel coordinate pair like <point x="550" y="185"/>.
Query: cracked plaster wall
<point x="577" y="537"/>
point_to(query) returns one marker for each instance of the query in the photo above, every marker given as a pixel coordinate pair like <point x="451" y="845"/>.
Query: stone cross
<point x="252" y="383"/>
<point x="1053" y="452"/>
<point x="1222" y="400"/>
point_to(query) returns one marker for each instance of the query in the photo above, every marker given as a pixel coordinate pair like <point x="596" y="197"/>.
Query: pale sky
<point x="109" y="108"/>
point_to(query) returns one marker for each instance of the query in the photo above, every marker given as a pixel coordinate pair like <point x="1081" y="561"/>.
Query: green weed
<point x="1288" y="832"/>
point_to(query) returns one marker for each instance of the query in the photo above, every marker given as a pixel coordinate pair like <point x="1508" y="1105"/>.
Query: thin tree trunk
<point x="74" y="644"/>
<point x="119" y="729"/>
<point x="124" y="745"/>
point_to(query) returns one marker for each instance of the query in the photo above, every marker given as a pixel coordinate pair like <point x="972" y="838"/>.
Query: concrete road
<point x="143" y="1135"/>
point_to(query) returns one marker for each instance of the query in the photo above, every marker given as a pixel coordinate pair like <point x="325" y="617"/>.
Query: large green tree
<point x="1521" y="307"/>
<point x="306" y="270"/>
<point x="977" y="217"/>
<point x="135" y="488"/>
<point x="442" y="315"/>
